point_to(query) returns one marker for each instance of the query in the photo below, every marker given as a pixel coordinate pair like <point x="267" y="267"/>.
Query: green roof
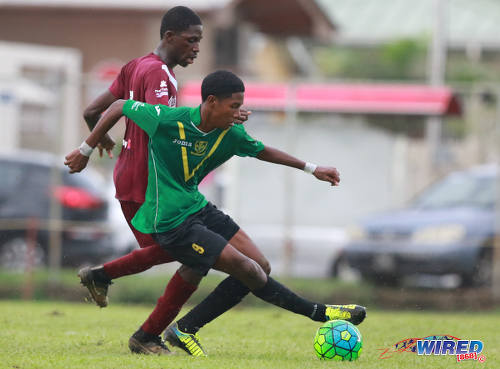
<point x="374" y="21"/>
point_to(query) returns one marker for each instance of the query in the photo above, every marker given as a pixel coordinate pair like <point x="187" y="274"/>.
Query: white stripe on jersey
<point x="170" y="76"/>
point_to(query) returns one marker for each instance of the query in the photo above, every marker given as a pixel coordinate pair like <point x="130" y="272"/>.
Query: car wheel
<point x="384" y="280"/>
<point x="14" y="254"/>
<point x="342" y="270"/>
<point x="482" y="273"/>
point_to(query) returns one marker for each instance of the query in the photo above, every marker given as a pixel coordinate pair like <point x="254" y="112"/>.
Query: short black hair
<point x="221" y="84"/>
<point x="178" y="19"/>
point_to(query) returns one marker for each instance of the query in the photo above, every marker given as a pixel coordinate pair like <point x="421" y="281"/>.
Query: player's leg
<point x="253" y="277"/>
<point x="231" y="291"/>
<point x="219" y="222"/>
<point x="146" y="339"/>
<point x="228" y="293"/>
<point x="251" y="274"/>
<point x="266" y="288"/>
<point x="149" y="254"/>
<point x="197" y="246"/>
<point x="177" y="292"/>
<point x="242" y="242"/>
<point x="98" y="279"/>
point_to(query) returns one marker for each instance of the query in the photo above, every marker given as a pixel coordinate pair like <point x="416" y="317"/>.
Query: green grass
<point x="145" y="288"/>
<point x="52" y="335"/>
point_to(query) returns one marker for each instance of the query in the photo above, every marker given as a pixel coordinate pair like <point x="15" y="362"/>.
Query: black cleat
<point x="98" y="287"/>
<point x="147" y="344"/>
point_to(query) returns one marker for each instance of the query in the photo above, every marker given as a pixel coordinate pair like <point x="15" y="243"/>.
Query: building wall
<point x="101" y="36"/>
<point x="364" y="156"/>
<point x="379" y="171"/>
<point x="98" y="34"/>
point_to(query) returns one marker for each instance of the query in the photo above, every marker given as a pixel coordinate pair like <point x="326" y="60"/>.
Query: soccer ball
<point x="338" y="340"/>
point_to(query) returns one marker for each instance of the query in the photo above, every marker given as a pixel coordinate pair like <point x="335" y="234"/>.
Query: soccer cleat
<point x="147" y="344"/>
<point x="186" y="341"/>
<point x="98" y="287"/>
<point x="352" y="313"/>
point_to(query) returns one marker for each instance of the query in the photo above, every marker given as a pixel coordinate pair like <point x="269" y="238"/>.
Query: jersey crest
<point x="199" y="148"/>
<point x="188" y="173"/>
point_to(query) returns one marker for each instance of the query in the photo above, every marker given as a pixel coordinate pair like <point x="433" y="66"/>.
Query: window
<point x="226" y="47"/>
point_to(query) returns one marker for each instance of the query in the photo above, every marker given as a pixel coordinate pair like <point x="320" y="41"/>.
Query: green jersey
<point x="180" y="156"/>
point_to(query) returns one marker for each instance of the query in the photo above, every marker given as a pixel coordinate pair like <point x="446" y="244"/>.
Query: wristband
<point x="310" y="168"/>
<point x="85" y="149"/>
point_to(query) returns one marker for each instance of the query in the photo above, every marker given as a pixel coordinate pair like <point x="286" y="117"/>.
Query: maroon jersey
<point x="146" y="79"/>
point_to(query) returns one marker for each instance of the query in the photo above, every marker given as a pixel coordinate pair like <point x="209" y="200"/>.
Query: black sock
<point x="226" y="295"/>
<point x="279" y="295"/>
<point x="143" y="336"/>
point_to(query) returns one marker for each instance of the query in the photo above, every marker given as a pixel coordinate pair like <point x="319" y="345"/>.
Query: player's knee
<point x="266" y="266"/>
<point x="253" y="270"/>
<point x="189" y="275"/>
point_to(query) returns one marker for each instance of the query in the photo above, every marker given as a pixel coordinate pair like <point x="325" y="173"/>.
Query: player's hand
<point x="107" y="143"/>
<point x="242" y="117"/>
<point x="328" y="174"/>
<point x="76" y="161"/>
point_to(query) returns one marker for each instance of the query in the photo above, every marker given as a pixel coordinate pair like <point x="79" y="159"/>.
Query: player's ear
<point x="211" y="99"/>
<point x="168" y="35"/>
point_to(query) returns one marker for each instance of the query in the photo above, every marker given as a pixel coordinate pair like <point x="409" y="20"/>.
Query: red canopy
<point x="342" y="98"/>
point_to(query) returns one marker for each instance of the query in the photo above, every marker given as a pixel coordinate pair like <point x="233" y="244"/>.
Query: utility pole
<point x="289" y="185"/>
<point x="495" y="283"/>
<point x="436" y="74"/>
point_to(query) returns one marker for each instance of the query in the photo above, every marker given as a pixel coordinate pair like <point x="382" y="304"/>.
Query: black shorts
<point x="198" y="241"/>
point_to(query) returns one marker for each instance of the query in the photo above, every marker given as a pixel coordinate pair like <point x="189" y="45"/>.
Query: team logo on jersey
<point x="172" y="102"/>
<point x="163" y="91"/>
<point x="182" y="142"/>
<point x="199" y="148"/>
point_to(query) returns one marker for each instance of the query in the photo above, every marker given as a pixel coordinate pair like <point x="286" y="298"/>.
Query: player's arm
<point x="93" y="112"/>
<point x="146" y="116"/>
<point x="77" y="160"/>
<point x="272" y="155"/>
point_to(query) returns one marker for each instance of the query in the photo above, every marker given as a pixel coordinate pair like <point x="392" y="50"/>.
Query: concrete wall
<point x="364" y="157"/>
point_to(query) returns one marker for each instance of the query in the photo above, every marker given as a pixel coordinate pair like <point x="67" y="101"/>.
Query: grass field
<point x="53" y="335"/>
<point x="146" y="287"/>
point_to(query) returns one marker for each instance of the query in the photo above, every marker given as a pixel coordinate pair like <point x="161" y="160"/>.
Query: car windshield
<point x="459" y="190"/>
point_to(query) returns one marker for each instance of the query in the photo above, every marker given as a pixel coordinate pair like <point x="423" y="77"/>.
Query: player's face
<point x="226" y="110"/>
<point x="185" y="45"/>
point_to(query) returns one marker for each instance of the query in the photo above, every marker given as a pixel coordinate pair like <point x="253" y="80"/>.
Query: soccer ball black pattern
<point x="338" y="340"/>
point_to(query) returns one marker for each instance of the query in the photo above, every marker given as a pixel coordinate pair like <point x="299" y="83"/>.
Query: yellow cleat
<point x="352" y="313"/>
<point x="186" y="341"/>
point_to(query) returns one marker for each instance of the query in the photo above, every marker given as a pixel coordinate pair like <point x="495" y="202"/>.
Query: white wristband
<point x="310" y="168"/>
<point x="85" y="149"/>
